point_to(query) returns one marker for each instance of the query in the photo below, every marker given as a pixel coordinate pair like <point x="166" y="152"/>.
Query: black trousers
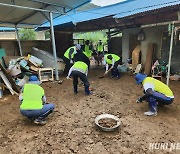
<point x="115" y="73"/>
<point x="68" y="65"/>
<point x="83" y="78"/>
<point x="117" y="63"/>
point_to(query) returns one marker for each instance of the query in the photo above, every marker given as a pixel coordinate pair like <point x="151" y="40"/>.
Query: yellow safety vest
<point x="100" y="48"/>
<point x="115" y="57"/>
<point x="66" y="54"/>
<point x="159" y="86"/>
<point x="87" y="51"/>
<point x="80" y="65"/>
<point x="32" y="97"/>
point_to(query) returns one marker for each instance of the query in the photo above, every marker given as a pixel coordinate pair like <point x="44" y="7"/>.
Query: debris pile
<point x="15" y="71"/>
<point x="21" y="68"/>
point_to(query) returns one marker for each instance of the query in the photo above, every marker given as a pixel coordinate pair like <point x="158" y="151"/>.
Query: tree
<point x="27" y="34"/>
<point x="92" y="36"/>
<point x="47" y="35"/>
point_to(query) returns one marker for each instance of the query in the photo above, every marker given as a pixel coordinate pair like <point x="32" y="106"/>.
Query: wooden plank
<point x="14" y="87"/>
<point x="148" y="64"/>
<point x="135" y="57"/>
<point x="6" y="81"/>
<point x="138" y="68"/>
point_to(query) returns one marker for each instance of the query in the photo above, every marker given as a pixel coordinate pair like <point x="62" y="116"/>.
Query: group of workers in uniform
<point x="81" y="63"/>
<point x="33" y="100"/>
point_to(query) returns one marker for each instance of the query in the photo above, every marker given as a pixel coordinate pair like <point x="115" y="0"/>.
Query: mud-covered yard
<point x="71" y="128"/>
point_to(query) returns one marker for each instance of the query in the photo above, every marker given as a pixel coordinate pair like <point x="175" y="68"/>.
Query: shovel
<point x="105" y="73"/>
<point x="102" y="76"/>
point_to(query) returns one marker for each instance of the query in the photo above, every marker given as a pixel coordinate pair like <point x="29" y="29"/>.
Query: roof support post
<point x="108" y="39"/>
<point x="170" y="53"/>
<point x="53" y="46"/>
<point x="18" y="39"/>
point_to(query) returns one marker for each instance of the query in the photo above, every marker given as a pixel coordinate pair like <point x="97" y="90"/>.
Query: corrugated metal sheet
<point x="87" y="15"/>
<point x="7" y="29"/>
<point x="140" y="6"/>
<point x="119" y="10"/>
<point x="10" y="15"/>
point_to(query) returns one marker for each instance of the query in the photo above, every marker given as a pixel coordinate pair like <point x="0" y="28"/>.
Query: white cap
<point x="78" y="46"/>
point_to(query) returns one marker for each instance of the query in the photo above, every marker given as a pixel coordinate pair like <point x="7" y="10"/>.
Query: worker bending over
<point x="79" y="70"/>
<point x="69" y="55"/>
<point x="156" y="93"/>
<point x="111" y="61"/>
<point x="80" y="56"/>
<point x="33" y="102"/>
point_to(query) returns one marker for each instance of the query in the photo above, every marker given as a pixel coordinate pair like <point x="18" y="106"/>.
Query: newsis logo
<point x="164" y="146"/>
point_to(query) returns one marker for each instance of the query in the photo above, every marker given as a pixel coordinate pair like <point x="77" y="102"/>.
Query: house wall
<point x="12" y="35"/>
<point x="152" y="35"/>
<point x="125" y="42"/>
<point x="12" y="49"/>
<point x="116" y="45"/>
<point x="63" y="42"/>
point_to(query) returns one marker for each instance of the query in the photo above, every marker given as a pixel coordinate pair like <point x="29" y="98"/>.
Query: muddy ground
<point x="71" y="128"/>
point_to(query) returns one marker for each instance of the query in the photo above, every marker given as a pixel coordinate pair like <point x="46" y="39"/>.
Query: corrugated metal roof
<point x="120" y="10"/>
<point x="140" y="6"/>
<point x="7" y="29"/>
<point x="28" y="12"/>
<point x="87" y="15"/>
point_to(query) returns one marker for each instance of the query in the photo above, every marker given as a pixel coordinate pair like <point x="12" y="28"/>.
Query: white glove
<point x="139" y="100"/>
<point x="71" y="62"/>
<point x="68" y="77"/>
<point x="106" y="72"/>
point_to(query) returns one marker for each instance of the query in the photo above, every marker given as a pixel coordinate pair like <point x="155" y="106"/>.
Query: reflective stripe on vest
<point x="100" y="48"/>
<point x="159" y="86"/>
<point x="80" y="65"/>
<point x="66" y="54"/>
<point x="115" y="57"/>
<point x="32" y="97"/>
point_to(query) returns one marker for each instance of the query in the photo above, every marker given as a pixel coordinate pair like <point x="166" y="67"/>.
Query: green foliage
<point x="47" y="35"/>
<point x="27" y="34"/>
<point x="92" y="36"/>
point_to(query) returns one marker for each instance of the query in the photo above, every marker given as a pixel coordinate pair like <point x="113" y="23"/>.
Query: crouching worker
<point x="112" y="61"/>
<point x="156" y="93"/>
<point x="79" y="70"/>
<point x="33" y="102"/>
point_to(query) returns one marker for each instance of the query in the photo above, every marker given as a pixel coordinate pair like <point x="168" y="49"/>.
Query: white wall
<point x="152" y="35"/>
<point x="125" y="42"/>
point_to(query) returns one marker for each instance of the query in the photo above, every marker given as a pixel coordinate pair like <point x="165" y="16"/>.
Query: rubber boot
<point x="87" y="91"/>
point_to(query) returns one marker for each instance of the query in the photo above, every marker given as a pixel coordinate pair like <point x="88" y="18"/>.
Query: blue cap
<point x="140" y="77"/>
<point x="33" y="78"/>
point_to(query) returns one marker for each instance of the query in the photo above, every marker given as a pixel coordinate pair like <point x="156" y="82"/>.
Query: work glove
<point x="106" y="72"/>
<point x="68" y="77"/>
<point x="71" y="61"/>
<point x="139" y="100"/>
